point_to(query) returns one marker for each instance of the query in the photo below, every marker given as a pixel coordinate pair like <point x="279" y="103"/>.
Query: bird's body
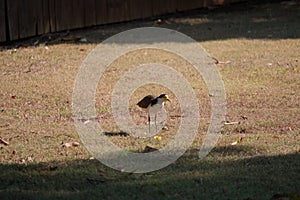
<point x="146" y="101"/>
<point x="153" y="105"/>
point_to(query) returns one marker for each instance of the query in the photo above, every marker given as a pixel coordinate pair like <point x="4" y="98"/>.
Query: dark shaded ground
<point x="251" y="178"/>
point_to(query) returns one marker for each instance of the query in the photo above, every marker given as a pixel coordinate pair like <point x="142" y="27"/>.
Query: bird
<point x="153" y="105"/>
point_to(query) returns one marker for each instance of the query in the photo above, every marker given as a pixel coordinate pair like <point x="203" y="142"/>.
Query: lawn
<point x="256" y="48"/>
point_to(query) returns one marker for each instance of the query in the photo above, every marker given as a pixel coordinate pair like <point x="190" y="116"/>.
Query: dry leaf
<point x="83" y="40"/>
<point x="30" y="159"/>
<point x="13" y="51"/>
<point x="75" y="144"/>
<point x="238" y="141"/>
<point x="52" y="167"/>
<point x="158" y="137"/>
<point x="276" y="136"/>
<point x="68" y="144"/>
<point x="149" y="149"/>
<point x="165" y="128"/>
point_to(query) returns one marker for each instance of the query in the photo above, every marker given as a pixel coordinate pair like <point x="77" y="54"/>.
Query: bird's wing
<point x="146" y="101"/>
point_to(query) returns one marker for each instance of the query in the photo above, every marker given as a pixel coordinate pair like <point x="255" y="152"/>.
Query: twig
<point x="231" y="123"/>
<point x="4" y="142"/>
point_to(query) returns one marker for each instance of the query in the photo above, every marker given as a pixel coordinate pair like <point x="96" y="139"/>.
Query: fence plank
<point x="43" y="16"/>
<point x="13" y="19"/>
<point x="27" y="18"/>
<point x="114" y="10"/>
<point x="2" y="21"/>
<point x="52" y="15"/>
<point x="145" y="8"/>
<point x="63" y="12"/>
<point x="134" y="10"/>
<point x="190" y="4"/>
<point x="101" y="12"/>
<point x="164" y="7"/>
<point x="77" y="14"/>
<point x="90" y="13"/>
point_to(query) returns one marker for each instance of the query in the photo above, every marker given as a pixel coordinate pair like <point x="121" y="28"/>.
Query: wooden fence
<point x="26" y="18"/>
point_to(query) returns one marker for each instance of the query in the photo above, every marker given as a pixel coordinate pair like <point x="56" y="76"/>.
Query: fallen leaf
<point x="158" y="137"/>
<point x="13" y="51"/>
<point x="83" y="40"/>
<point x="149" y="149"/>
<point x="29" y="159"/>
<point x="22" y="161"/>
<point x="161" y="21"/>
<point x="224" y="62"/>
<point x="238" y="141"/>
<point x="244" y="117"/>
<point x="75" y="144"/>
<point x="68" y="144"/>
<point x="165" y="128"/>
<point x="276" y="136"/>
<point x="36" y="43"/>
<point x="52" y="167"/>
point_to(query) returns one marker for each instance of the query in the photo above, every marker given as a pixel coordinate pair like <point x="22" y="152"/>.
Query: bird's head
<point x="164" y="97"/>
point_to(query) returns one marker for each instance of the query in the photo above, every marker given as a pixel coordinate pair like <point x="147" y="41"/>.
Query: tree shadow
<point x="214" y="177"/>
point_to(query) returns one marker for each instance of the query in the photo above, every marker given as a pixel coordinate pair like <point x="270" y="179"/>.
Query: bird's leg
<point x="155" y="123"/>
<point x="149" y="121"/>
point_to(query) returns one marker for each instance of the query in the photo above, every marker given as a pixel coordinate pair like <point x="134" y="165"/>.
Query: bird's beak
<point x="167" y="99"/>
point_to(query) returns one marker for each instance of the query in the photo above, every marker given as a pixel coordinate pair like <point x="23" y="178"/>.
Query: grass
<point x="257" y="46"/>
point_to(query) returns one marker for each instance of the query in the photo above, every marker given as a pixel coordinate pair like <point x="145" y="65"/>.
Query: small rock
<point x="83" y="40"/>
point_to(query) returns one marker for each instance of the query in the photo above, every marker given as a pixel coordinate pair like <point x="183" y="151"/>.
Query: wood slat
<point x="52" y="15"/>
<point x="163" y="7"/>
<point x="77" y="14"/>
<point x="114" y="10"/>
<point x="63" y="12"/>
<point x="2" y="21"/>
<point x="27" y="18"/>
<point x="101" y="12"/>
<point x="43" y="17"/>
<point x="146" y="9"/>
<point x="13" y="19"/>
<point x="189" y="4"/>
<point x="90" y="13"/>
<point x="134" y="10"/>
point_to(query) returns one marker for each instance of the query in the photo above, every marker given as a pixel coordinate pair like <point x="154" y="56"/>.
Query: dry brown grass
<point x="258" y="53"/>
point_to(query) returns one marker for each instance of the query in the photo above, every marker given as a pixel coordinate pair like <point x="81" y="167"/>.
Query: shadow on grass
<point x="121" y="133"/>
<point x="214" y="177"/>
